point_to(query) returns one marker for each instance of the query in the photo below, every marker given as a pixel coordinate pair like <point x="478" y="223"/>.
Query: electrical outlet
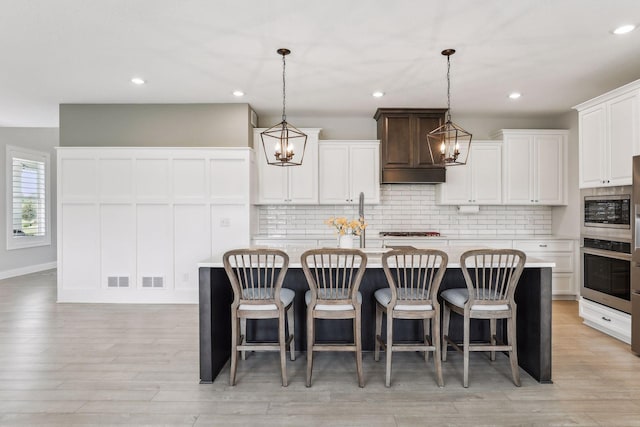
<point x="185" y="277"/>
<point x="225" y="222"/>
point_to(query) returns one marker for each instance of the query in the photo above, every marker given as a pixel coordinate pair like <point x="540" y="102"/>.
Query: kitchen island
<point x="533" y="296"/>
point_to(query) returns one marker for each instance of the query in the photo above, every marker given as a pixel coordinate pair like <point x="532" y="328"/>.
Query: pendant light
<point x="278" y="140"/>
<point x="450" y="142"/>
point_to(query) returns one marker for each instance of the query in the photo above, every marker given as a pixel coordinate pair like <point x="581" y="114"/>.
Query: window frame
<point x="21" y="242"/>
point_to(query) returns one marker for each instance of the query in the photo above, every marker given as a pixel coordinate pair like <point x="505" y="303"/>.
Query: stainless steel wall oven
<point x="606" y="237"/>
<point x="606" y="273"/>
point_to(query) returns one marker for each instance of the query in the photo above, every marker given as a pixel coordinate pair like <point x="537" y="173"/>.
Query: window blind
<point x="29" y="197"/>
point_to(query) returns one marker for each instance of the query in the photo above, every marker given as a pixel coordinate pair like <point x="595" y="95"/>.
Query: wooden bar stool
<point x="491" y="277"/>
<point x="414" y="277"/>
<point x="256" y="276"/>
<point x="334" y="276"/>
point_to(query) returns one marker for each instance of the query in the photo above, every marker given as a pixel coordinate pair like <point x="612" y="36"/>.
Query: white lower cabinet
<point x="562" y="252"/>
<point x="605" y="319"/>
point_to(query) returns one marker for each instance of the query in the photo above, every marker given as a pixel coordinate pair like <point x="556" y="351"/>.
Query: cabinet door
<point x="591" y="147"/>
<point x="303" y="179"/>
<point x="486" y="174"/>
<point x="364" y="172"/>
<point x="334" y="178"/>
<point x="549" y="160"/>
<point x="397" y="134"/>
<point x="622" y="138"/>
<point x="423" y="124"/>
<point x="518" y="188"/>
<point x="272" y="182"/>
<point x="457" y="190"/>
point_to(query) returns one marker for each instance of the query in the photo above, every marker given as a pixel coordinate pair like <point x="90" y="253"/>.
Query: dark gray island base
<point x="533" y="296"/>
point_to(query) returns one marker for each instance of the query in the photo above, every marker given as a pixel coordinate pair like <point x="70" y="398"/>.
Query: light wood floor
<point x="89" y="364"/>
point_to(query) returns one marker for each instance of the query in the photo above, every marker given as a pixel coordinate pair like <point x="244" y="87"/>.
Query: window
<point x="28" y="212"/>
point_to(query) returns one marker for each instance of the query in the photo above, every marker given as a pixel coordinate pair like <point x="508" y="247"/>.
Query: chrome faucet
<point x="361" y="215"/>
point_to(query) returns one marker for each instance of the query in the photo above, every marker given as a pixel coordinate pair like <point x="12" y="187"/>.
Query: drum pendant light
<point x="449" y="144"/>
<point x="278" y="140"/>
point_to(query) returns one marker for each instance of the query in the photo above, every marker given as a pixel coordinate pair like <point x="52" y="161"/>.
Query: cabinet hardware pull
<point x="606" y="319"/>
<point x="543" y="246"/>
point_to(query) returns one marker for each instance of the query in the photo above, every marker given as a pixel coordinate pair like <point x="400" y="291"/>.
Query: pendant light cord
<point x="284" y="92"/>
<point x="448" y="88"/>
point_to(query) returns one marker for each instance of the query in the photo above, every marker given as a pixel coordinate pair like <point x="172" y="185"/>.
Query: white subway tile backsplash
<point x="407" y="207"/>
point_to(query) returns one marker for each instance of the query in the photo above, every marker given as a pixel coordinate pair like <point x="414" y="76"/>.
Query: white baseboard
<point x="28" y="269"/>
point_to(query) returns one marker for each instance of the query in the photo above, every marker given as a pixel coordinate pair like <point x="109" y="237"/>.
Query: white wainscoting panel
<point x="80" y="267"/>
<point x="134" y="222"/>
<point x="192" y="240"/>
<point x="230" y="228"/>
<point x="152" y="179"/>
<point x="189" y="179"/>
<point x="78" y="179"/>
<point x="225" y="183"/>
<point x="116" y="179"/>
<point x="155" y="243"/>
<point x="117" y="242"/>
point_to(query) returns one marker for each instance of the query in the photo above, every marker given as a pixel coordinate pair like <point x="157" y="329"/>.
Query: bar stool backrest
<point x="256" y="275"/>
<point x="334" y="275"/>
<point x="414" y="275"/>
<point x="492" y="275"/>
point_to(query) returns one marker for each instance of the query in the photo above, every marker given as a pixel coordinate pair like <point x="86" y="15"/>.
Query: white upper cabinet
<point x="534" y="166"/>
<point x="609" y="137"/>
<point x="290" y="184"/>
<point x="479" y="182"/>
<point x="348" y="168"/>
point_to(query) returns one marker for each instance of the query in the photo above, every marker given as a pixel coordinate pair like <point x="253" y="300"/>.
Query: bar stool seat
<point x="331" y="307"/>
<point x="286" y="297"/>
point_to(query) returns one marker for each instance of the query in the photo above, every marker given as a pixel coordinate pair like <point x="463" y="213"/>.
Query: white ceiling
<point x="556" y="52"/>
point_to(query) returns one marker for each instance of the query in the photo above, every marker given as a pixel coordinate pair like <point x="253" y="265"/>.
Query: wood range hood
<point x="404" y="153"/>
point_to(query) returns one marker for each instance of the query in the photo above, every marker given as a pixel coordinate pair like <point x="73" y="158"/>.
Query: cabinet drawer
<point x="564" y="261"/>
<point x="605" y="319"/>
<point x="543" y="245"/>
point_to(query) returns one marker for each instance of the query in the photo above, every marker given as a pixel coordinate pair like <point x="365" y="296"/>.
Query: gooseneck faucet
<point x="361" y="215"/>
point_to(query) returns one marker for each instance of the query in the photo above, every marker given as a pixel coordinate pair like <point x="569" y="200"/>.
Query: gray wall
<point x="156" y="125"/>
<point x="43" y="139"/>
<point x="482" y="127"/>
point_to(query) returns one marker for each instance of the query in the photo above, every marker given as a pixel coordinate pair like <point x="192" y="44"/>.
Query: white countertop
<point x="375" y="236"/>
<point x="374" y="258"/>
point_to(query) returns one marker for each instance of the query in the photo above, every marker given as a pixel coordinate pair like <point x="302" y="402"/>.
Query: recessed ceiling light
<point x="138" y="81"/>
<point x="515" y="95"/>
<point x="378" y="94"/>
<point x="624" y="29"/>
<point x="238" y="93"/>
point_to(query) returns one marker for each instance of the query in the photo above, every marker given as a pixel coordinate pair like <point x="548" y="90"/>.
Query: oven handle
<point x="606" y="254"/>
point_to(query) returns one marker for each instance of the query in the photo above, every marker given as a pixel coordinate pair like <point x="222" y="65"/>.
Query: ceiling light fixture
<point x="277" y="141"/>
<point x="378" y="94"/>
<point x="138" y="81"/>
<point x="453" y="141"/>
<point x="238" y="93"/>
<point x="624" y="29"/>
<point x="515" y="95"/>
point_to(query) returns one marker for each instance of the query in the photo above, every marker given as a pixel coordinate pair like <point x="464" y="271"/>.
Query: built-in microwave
<point x="608" y="211"/>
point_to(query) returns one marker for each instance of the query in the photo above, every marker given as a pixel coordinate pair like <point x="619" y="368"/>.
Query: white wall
<point x="21" y="261"/>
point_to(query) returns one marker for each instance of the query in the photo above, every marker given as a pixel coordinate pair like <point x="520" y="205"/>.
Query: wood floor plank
<point x="120" y="364"/>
